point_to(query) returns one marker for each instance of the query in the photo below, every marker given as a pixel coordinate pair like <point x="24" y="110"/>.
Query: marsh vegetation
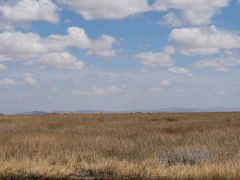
<point x="153" y="146"/>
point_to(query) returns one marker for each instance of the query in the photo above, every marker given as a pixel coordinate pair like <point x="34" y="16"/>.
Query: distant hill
<point x="168" y="109"/>
<point x="33" y="113"/>
<point x="214" y="109"/>
<point x="88" y="112"/>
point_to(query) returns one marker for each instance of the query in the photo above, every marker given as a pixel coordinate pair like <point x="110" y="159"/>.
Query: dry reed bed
<point x="153" y="146"/>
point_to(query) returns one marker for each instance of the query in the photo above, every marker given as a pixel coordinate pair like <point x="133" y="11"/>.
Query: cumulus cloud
<point x="77" y="37"/>
<point x="190" y="10"/>
<point x="98" y="91"/>
<point x="178" y="70"/>
<point x="105" y="9"/>
<point x="26" y="11"/>
<point x="30" y="80"/>
<point x="8" y="81"/>
<point x="19" y="45"/>
<point x="2" y="67"/>
<point x="115" y="89"/>
<point x="171" y="19"/>
<point x="19" y="12"/>
<point x="112" y="89"/>
<point x="222" y="63"/>
<point x="61" y="60"/>
<point x="103" y="47"/>
<point x="157" y="59"/>
<point x="30" y="46"/>
<point x="203" y="41"/>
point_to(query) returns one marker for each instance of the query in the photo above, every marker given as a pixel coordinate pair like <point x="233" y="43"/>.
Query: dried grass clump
<point x="185" y="156"/>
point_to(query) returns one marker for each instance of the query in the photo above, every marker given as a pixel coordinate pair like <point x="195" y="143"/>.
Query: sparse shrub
<point x="185" y="156"/>
<point x="171" y="119"/>
<point x="7" y="128"/>
<point x="155" y="119"/>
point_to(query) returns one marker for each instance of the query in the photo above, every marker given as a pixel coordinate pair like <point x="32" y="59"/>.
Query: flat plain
<point x="136" y="146"/>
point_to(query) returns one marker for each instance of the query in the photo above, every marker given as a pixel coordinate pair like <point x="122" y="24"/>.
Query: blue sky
<point x="118" y="55"/>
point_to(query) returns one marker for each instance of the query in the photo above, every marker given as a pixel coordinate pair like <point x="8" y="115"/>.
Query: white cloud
<point x="30" y="80"/>
<point x="221" y="63"/>
<point x="2" y="67"/>
<point x="98" y="91"/>
<point x="16" y="46"/>
<point x="77" y="37"/>
<point x="103" y="47"/>
<point x="166" y="83"/>
<point x="26" y="11"/>
<point x="203" y="41"/>
<point x="112" y="89"/>
<point x="61" y="60"/>
<point x="172" y="20"/>
<point x="158" y="59"/>
<point x="178" y="70"/>
<point x="105" y="9"/>
<point x="189" y="10"/>
<point x="18" y="12"/>
<point x="23" y="46"/>
<point x="115" y="89"/>
<point x="8" y="81"/>
<point x="193" y="12"/>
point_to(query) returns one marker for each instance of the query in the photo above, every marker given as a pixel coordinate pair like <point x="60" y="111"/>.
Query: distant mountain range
<point x="168" y="109"/>
<point x="213" y="109"/>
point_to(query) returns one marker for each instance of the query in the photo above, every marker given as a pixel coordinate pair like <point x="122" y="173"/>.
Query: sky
<point x="118" y="55"/>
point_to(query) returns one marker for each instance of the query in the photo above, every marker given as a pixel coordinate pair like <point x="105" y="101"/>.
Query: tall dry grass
<point x="152" y="146"/>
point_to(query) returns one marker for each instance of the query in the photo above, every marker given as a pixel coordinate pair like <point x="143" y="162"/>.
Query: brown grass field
<point x="135" y="146"/>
